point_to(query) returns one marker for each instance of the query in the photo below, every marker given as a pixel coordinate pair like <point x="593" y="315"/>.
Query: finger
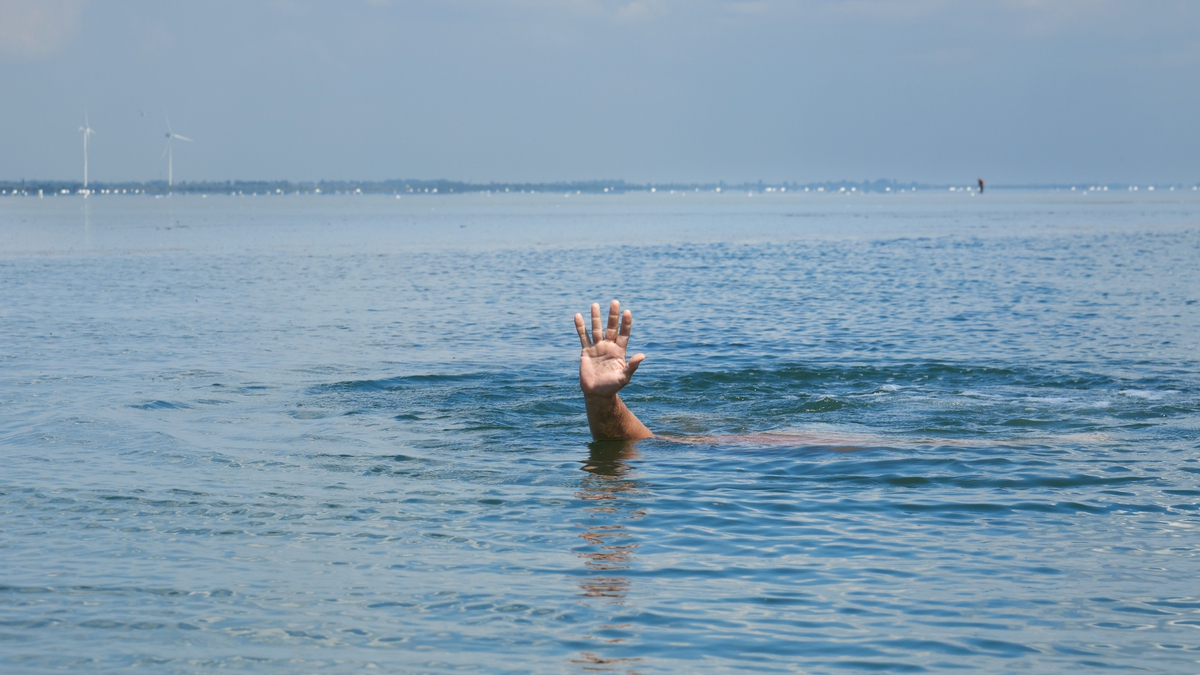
<point x="579" y="328"/>
<point x="597" y="332"/>
<point x="632" y="366"/>
<point x="614" y="317"/>
<point x="626" y="327"/>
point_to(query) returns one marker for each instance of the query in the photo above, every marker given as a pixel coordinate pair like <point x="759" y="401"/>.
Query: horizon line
<point x="447" y="186"/>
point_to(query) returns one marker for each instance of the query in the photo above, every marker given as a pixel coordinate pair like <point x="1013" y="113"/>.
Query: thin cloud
<point x="36" y="29"/>
<point x="614" y="10"/>
<point x="640" y="10"/>
<point x="751" y="6"/>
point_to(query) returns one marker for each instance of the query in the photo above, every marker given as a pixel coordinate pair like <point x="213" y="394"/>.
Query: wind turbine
<point x="87" y="131"/>
<point x="167" y="150"/>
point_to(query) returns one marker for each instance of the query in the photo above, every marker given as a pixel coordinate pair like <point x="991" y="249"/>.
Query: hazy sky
<point x="649" y="90"/>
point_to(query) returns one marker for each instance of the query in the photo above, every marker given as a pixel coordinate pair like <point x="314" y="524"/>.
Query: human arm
<point x="603" y="371"/>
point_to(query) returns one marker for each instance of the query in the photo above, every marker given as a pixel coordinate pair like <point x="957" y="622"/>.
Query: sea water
<point x="299" y="433"/>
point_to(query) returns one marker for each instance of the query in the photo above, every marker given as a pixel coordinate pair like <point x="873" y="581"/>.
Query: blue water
<point x="291" y="434"/>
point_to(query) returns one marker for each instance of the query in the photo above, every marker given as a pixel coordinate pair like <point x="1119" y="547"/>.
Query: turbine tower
<point x="87" y="131"/>
<point x="167" y="151"/>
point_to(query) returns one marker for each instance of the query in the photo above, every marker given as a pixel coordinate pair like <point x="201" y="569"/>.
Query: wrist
<point x="605" y="404"/>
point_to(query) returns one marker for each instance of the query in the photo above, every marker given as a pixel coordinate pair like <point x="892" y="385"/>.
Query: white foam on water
<point x="1056" y="400"/>
<point x="1147" y="394"/>
<point x="977" y="394"/>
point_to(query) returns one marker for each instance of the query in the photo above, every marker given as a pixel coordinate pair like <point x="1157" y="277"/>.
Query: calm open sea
<point x="316" y="434"/>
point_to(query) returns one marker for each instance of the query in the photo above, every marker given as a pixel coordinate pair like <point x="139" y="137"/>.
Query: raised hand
<point x="603" y="370"/>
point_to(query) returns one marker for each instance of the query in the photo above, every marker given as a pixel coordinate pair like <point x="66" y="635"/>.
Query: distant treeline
<point x="434" y="187"/>
<point x="401" y="187"/>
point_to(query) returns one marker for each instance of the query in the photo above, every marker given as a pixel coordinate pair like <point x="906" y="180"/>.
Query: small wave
<point x="161" y="405"/>
<point x="397" y="383"/>
<point x="308" y="414"/>
<point x="823" y="404"/>
<point x="1055" y="400"/>
<point x="1031" y="423"/>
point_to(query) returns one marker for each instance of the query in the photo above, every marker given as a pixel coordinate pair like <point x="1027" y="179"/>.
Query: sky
<point x="1014" y="91"/>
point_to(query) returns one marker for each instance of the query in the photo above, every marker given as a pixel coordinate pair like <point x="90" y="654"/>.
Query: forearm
<point x="609" y="419"/>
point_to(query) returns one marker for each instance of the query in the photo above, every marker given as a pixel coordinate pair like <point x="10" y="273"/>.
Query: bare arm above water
<point x="603" y="371"/>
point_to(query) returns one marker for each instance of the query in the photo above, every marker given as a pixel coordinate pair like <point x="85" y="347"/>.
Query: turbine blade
<point x="182" y="138"/>
<point x="168" y="122"/>
<point x="165" y="148"/>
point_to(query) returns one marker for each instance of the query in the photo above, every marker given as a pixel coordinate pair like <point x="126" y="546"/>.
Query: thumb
<point x="634" y="362"/>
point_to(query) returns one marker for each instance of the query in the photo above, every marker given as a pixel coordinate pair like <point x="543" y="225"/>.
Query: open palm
<point x="603" y="370"/>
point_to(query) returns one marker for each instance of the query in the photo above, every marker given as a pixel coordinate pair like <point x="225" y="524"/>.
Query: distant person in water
<point x="604" y="371"/>
<point x="980" y="186"/>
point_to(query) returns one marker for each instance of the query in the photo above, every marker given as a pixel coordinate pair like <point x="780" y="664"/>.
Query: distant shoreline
<point x="402" y="187"/>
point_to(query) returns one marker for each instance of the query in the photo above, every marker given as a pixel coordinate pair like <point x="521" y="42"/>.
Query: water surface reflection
<point x="615" y="496"/>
